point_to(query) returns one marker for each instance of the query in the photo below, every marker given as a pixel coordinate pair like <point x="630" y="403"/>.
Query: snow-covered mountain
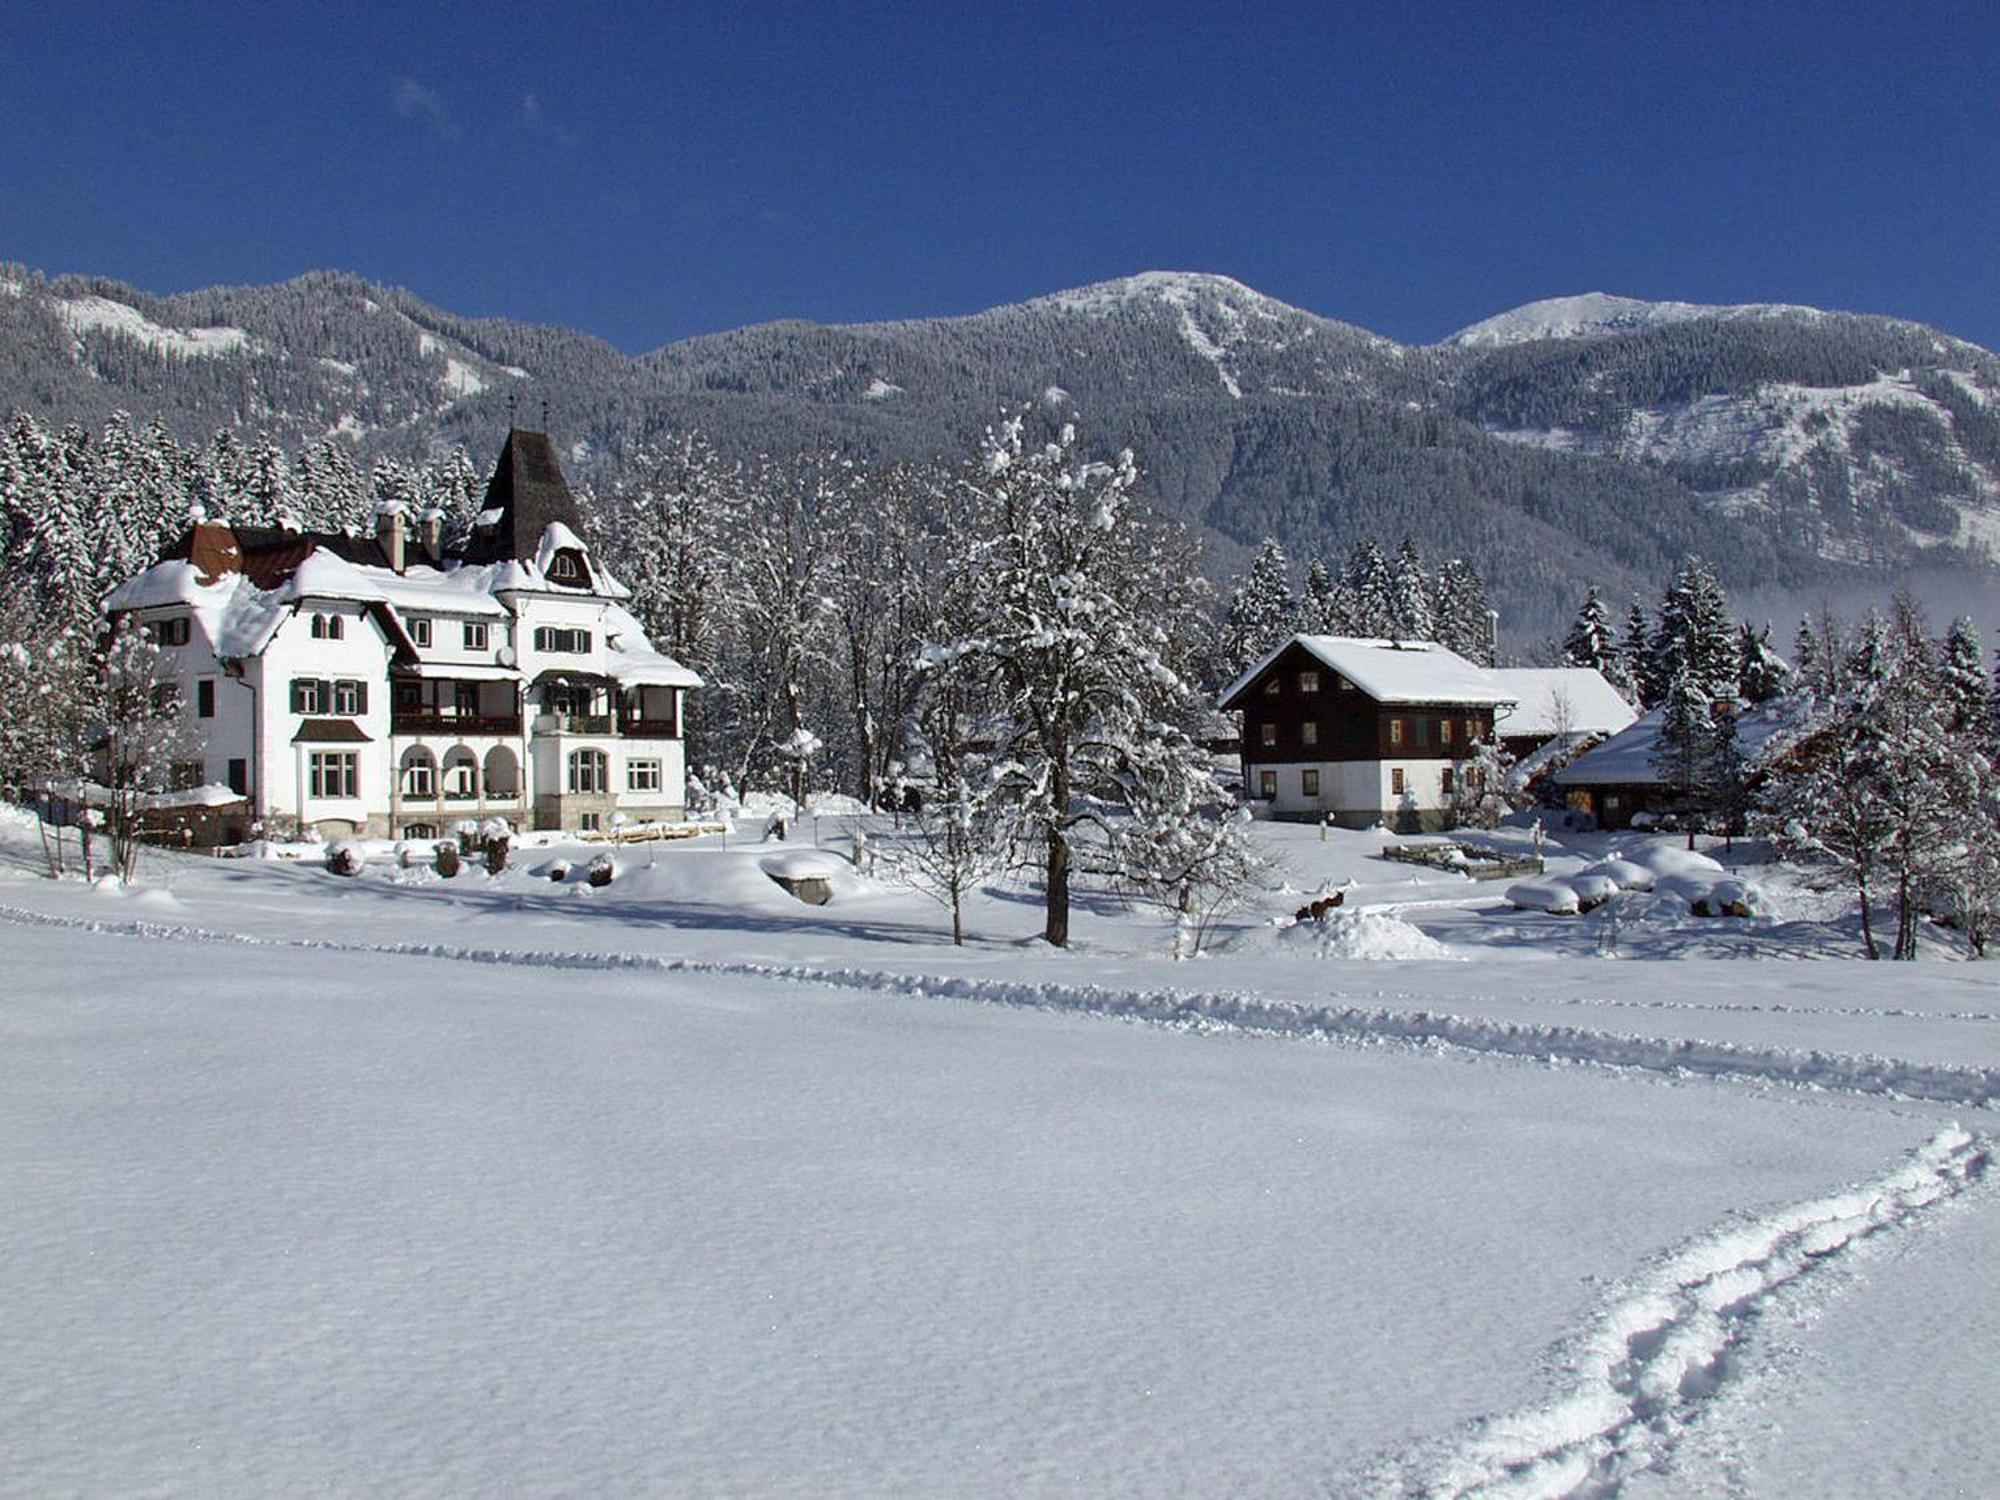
<point x="1589" y="437"/>
<point x="1591" y="314"/>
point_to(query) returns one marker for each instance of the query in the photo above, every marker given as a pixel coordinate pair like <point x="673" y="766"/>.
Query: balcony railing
<point x="573" y="724"/>
<point x="650" y="729"/>
<point x="427" y="721"/>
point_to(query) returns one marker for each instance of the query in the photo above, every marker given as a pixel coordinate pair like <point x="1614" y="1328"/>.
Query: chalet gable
<point x="1387" y="672"/>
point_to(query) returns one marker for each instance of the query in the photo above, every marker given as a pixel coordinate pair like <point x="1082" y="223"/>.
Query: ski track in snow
<point x="1215" y="1010"/>
<point x="1664" y="1350"/>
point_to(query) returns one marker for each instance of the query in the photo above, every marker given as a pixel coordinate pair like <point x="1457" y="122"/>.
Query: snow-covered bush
<point x="1624" y="873"/>
<point x="1728" y="898"/>
<point x="1592" y="890"/>
<point x="603" y="870"/>
<point x="497" y="850"/>
<point x="445" y="861"/>
<point x="345" y="858"/>
<point x="1556" y="897"/>
<point x="556" y="870"/>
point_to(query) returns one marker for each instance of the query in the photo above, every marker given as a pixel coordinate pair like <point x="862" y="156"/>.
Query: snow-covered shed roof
<point x="1388" y="671"/>
<point x="647" y="668"/>
<point x="1626" y="759"/>
<point x="1558" y="700"/>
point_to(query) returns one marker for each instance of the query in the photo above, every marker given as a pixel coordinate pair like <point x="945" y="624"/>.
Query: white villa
<point x="380" y="686"/>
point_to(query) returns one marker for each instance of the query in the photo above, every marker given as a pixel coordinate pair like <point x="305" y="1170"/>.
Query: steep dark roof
<point x="268" y="555"/>
<point x="529" y="492"/>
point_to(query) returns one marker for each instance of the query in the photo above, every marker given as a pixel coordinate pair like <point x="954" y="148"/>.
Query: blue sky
<point x="650" y="172"/>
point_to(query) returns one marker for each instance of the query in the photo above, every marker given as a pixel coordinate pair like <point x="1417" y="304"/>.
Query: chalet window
<point x="1309" y="731"/>
<point x="1395" y="731"/>
<point x="1309" y="783"/>
<point x="1444" y="779"/>
<point x="328" y="627"/>
<point x="350" y="697"/>
<point x="566" y="567"/>
<point x="204" y="698"/>
<point x="1471" y="730"/>
<point x="420" y="633"/>
<point x="169" y="632"/>
<point x="239" y="777"/>
<point x="475" y="635"/>
<point x="587" y="771"/>
<point x="1396" y="781"/>
<point x="335" y="773"/>
<point x="1267" y="783"/>
<point x="551" y="638"/>
<point x="642" y="776"/>
<point x="1423" y="722"/>
<point x="1444" y="731"/>
<point x="1308" y="682"/>
<point x="1271" y="688"/>
<point x="1268" y="734"/>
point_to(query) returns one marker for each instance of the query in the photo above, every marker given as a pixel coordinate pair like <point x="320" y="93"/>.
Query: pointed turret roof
<point x="526" y="495"/>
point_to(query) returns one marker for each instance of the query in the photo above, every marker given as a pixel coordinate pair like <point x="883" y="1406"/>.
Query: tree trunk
<point x="1867" y="928"/>
<point x="1906" y="919"/>
<point x="1056" y="930"/>
<point x="957" y="923"/>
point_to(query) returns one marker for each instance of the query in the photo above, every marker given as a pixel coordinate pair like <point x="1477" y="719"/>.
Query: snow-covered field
<point x="680" y="1186"/>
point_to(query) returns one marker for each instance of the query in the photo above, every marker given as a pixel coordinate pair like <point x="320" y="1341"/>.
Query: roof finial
<point x="545" y="415"/>
<point x="512" y="401"/>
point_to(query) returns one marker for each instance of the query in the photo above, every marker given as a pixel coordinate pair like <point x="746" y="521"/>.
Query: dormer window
<point x="567" y="567"/>
<point x="327" y="627"/>
<point x="172" y="632"/>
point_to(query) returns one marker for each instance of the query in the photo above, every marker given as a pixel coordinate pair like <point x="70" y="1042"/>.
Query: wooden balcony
<point x="425" y="721"/>
<point x="649" y="729"/>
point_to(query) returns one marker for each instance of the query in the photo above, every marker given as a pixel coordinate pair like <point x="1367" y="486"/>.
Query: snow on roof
<point x="1626" y="759"/>
<point x="1556" y="700"/>
<point x="237" y="617"/>
<point x="424" y="590"/>
<point x="323" y="575"/>
<point x="1390" y="671"/>
<point x="645" y="667"/>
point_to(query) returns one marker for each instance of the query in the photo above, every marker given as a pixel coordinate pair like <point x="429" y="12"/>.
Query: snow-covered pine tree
<point x="1320" y="607"/>
<point x="1262" y="609"/>
<point x="1366" y="591"/>
<point x="1591" y="641"/>
<point x="1635" y="651"/>
<point x="1411" y="617"/>
<point x="1760" y="672"/>
<point x="1695" y="632"/>
<point x="1964" y="697"/>
<point x="1082" y="606"/>
<point x="1683" y="753"/>
<point x="1463" y="622"/>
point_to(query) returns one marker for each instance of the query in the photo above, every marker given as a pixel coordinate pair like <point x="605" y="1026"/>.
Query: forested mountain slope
<point x="1590" y="438"/>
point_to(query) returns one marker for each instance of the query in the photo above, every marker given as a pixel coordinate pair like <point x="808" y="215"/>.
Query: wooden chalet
<point x="1362" y="731"/>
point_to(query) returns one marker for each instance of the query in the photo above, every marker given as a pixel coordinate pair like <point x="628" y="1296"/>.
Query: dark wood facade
<point x="1298" y="709"/>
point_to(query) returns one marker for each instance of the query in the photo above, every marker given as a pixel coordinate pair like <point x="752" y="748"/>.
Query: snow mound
<point x="804" y="864"/>
<point x="1556" y="897"/>
<point x="1593" y="890"/>
<point x="1670" y="859"/>
<point x="1373" y="935"/>
<point x="1623" y="873"/>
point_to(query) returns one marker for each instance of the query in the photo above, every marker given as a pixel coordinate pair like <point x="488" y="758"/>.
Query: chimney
<point x="1493" y="636"/>
<point x="430" y="534"/>
<point x="389" y="533"/>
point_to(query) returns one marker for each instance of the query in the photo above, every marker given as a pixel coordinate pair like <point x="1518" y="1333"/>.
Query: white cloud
<point x="415" y="102"/>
